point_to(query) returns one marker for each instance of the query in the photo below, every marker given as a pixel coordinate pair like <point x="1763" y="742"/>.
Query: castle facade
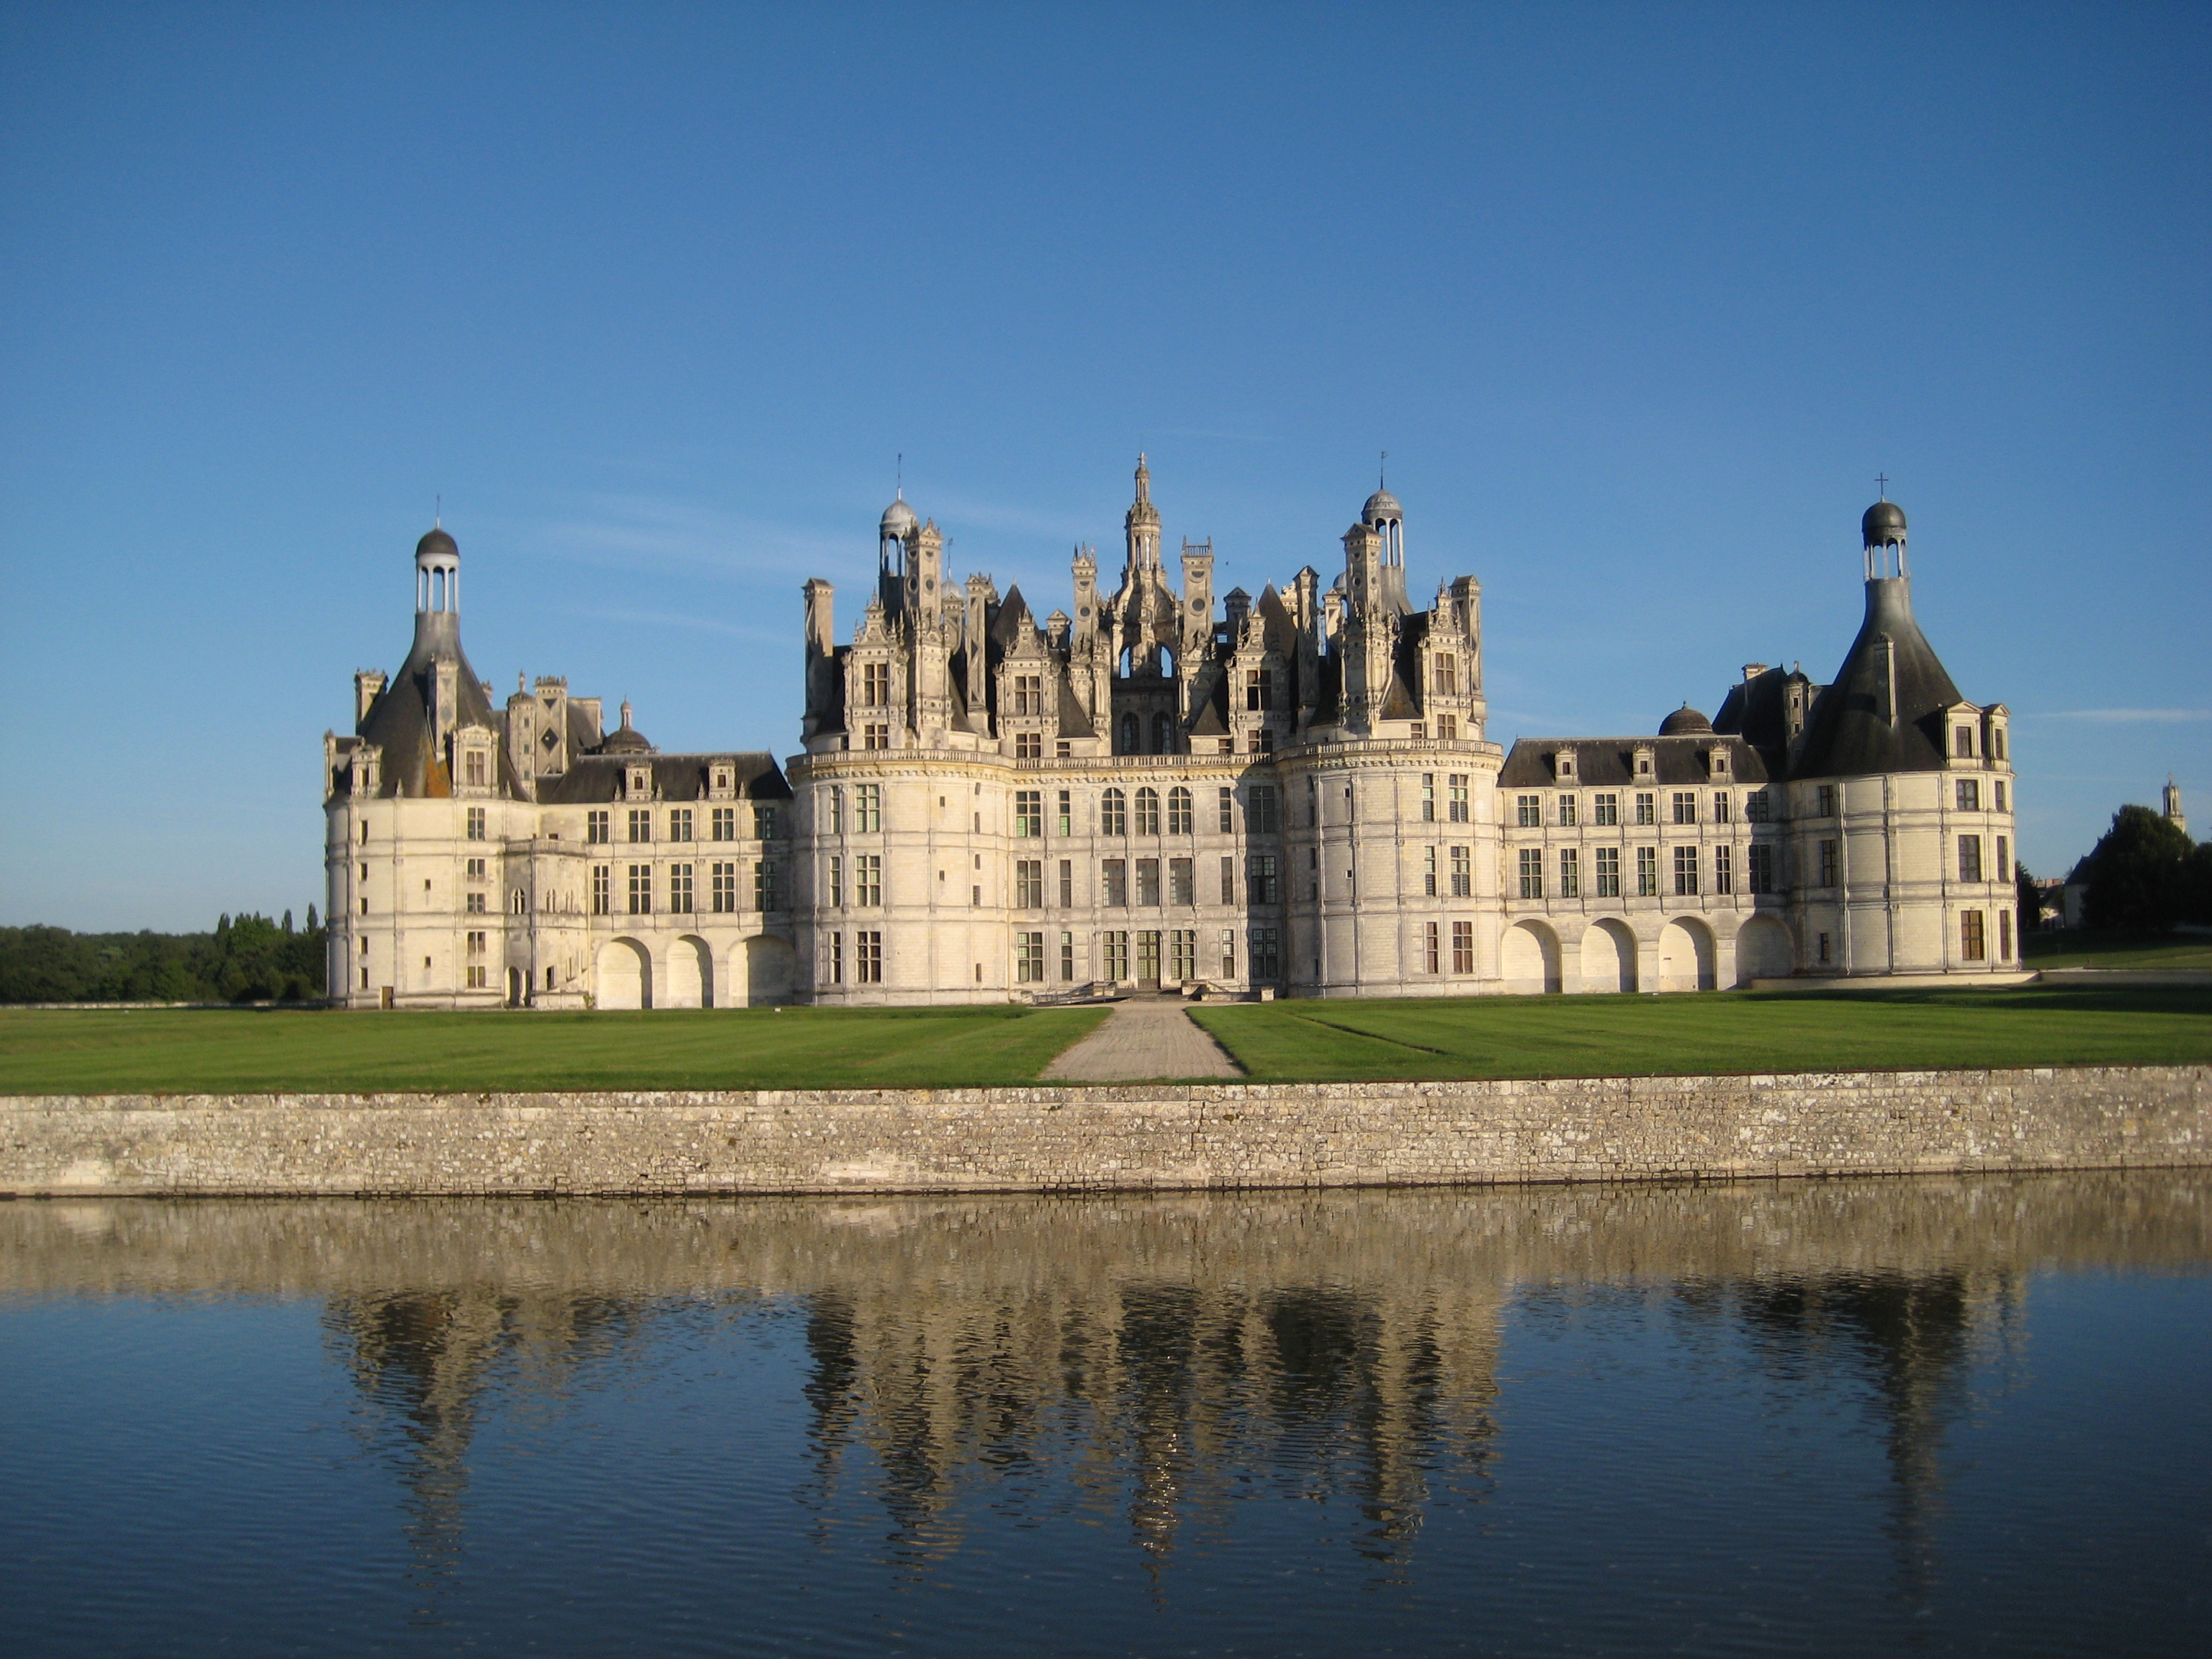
<point x="1291" y="795"/>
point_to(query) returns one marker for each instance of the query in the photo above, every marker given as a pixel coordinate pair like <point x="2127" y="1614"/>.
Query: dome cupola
<point x="1685" y="722"/>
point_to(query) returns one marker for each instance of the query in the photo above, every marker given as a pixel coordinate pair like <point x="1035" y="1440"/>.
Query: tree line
<point x="247" y="958"/>
<point x="2146" y="874"/>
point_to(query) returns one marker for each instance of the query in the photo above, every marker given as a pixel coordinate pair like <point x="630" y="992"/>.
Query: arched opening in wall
<point x="1528" y="959"/>
<point x="624" y="979"/>
<point x="691" y="975"/>
<point x="1609" y="957"/>
<point x="1126" y="654"/>
<point x="1167" y="661"/>
<point x="1130" y="733"/>
<point x="766" y="960"/>
<point x="1162" y="735"/>
<point x="514" y="987"/>
<point x="1685" y="956"/>
<point x="1764" y="950"/>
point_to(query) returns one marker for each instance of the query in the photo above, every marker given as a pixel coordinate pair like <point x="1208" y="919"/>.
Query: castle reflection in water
<point x="1157" y="1358"/>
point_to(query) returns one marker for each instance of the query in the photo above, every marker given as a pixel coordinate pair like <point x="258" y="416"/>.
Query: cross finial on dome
<point x="1882" y="483"/>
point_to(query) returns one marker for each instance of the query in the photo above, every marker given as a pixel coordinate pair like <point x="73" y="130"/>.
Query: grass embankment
<point x="1738" y="1031"/>
<point x="2081" y="950"/>
<point x="213" y="1051"/>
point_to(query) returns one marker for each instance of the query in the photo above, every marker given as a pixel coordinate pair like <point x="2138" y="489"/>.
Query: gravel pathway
<point x="1144" y="1038"/>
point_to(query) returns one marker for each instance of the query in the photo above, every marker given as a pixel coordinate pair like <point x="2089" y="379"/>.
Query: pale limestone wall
<point x="1141" y="1137"/>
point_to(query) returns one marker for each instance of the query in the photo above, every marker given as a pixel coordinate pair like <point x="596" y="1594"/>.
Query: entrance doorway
<point x="1148" y="960"/>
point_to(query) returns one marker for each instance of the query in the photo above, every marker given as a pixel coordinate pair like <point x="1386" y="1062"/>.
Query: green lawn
<point x="222" y="1050"/>
<point x="1736" y="1032"/>
<point x="2085" y="950"/>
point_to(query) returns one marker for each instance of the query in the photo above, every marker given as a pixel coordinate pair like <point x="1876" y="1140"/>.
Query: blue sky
<point x="1639" y="299"/>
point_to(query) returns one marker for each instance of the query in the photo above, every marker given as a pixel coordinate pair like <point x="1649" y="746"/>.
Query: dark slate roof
<point x="1401" y="701"/>
<point x="1073" y="721"/>
<point x="675" y="777"/>
<point x="1212" y="719"/>
<point x="1610" y="762"/>
<point x="1852" y="732"/>
<point x="398" y="721"/>
<point x="1005" y="627"/>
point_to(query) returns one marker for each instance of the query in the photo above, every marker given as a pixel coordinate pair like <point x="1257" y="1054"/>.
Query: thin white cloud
<point x="643" y="531"/>
<point x="2122" y="716"/>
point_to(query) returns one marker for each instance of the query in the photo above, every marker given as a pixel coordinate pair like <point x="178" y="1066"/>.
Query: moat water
<point x="1940" y="1416"/>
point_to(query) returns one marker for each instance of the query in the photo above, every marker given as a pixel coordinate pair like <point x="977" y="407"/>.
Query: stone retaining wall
<point x="1138" y="1137"/>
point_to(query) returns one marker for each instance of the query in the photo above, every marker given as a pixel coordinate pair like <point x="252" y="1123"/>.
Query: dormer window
<point x="1962" y="742"/>
<point x="640" y="781"/>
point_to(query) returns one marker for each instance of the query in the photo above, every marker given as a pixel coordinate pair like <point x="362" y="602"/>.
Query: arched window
<point x="1148" y="811"/>
<point x="1167" y="662"/>
<point x="1162" y="735"/>
<point x="1130" y="733"/>
<point x="1113" y="813"/>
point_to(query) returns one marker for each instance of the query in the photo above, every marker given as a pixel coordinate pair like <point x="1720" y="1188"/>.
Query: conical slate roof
<point x="398" y="721"/>
<point x="1884" y="712"/>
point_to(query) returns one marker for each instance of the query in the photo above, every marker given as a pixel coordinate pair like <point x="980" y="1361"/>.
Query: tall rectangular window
<point x="1029" y="746"/>
<point x="836" y="878"/>
<point x="725" y="889"/>
<point x="1455" y="785"/>
<point x="1970" y="857"/>
<point x="1998" y="787"/>
<point x="1267" y="954"/>
<point x="1029" y="697"/>
<point x="473" y="768"/>
<point x="1462" y="947"/>
<point x="1685" y="872"/>
<point x="680" y="887"/>
<point x="868" y="878"/>
<point x="1831" y="863"/>
<point x="1182" y="889"/>
<point x="1570" y="873"/>
<point x="763" y="824"/>
<point x="1183" y="954"/>
<point x="641" y="823"/>
<point x="595" y="827"/>
<point x="1566" y="811"/>
<point x="1065" y="816"/>
<point x="1028" y="884"/>
<point x="723" y="824"/>
<point x="876" y="736"/>
<point x="1970" y="795"/>
<point x="1724" y="870"/>
<point x="1262" y="813"/>
<point x="868" y="958"/>
<point x="679" y="823"/>
<point x="1531" y="872"/>
<point x="1605" y="809"/>
<point x="2004" y="936"/>
<point x="1148" y="882"/>
<point x="1227" y="802"/>
<point x="2002" y="869"/>
<point x="1229" y="953"/>
<point x="1028" y="812"/>
<point x="1647" y="808"/>
<point x="1066" y="884"/>
<point x="602" y="887"/>
<point x="1228" y="878"/>
<point x="641" y="890"/>
<point x="1148" y="811"/>
<point x="1113" y="881"/>
<point x="1529" y="810"/>
<point x="837" y="812"/>
<point x="1647" y="872"/>
<point x="476" y="824"/>
<point x="1760" y="868"/>
<point x="1179" y="812"/>
<point x="1148" y="955"/>
<point x="475" y="905"/>
<point x="1720" y="806"/>
<point x="875" y="684"/>
<point x="765" y="896"/>
<point x="1462" y="871"/>
<point x="1429" y="872"/>
<point x="1113" y="813"/>
<point x="1824" y="801"/>
<point x="1260" y="879"/>
<point x="834" y="959"/>
<point x="868" y="808"/>
<point x="1608" y="872"/>
<point x="1759" y="806"/>
<point x="1970" y="931"/>
<point x="1066" y="955"/>
<point x="1115" y="951"/>
<point x="1685" y="806"/>
<point x="1428" y="797"/>
<point x="1259" y="690"/>
<point x="1963" y="743"/>
<point x="1028" y="959"/>
<point x="1432" y="947"/>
